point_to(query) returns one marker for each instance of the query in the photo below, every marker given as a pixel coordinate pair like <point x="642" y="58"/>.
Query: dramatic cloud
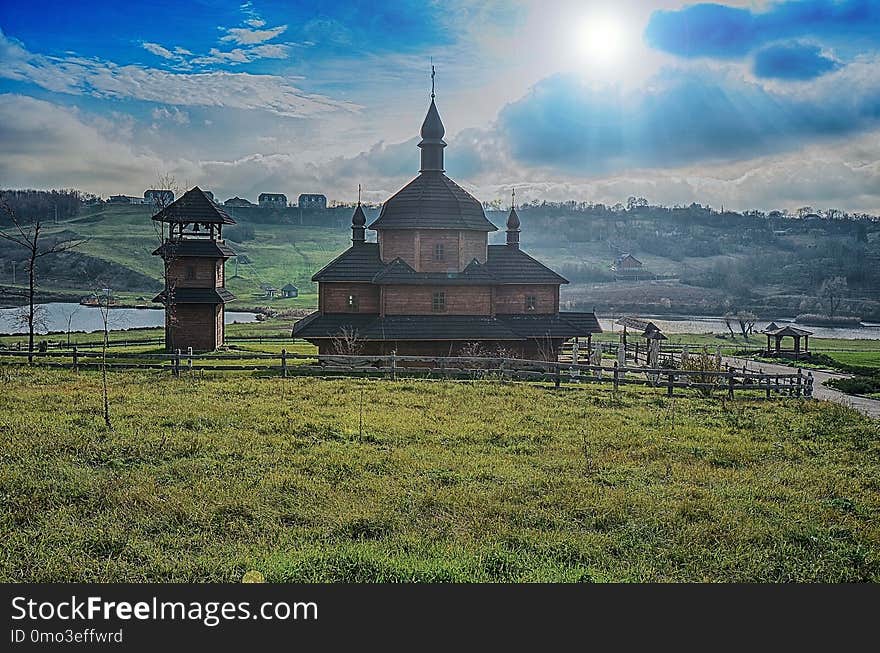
<point x="51" y="146"/>
<point x="682" y="117"/>
<point x="793" y="61"/>
<point x="715" y="30"/>
<point x="105" y="79"/>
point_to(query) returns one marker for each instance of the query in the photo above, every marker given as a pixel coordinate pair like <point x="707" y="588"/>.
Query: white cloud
<point x="240" y="56"/>
<point x="158" y="50"/>
<point x="105" y="79"/>
<point x="245" y="36"/>
<point x="172" y="114"/>
<point x="255" y="22"/>
<point x="46" y="145"/>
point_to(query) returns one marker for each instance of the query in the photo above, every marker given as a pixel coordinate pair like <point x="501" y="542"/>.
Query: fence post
<point x="637" y="354"/>
<point x="799" y="382"/>
<point x="75" y="360"/>
<point x="808" y="391"/>
<point x="284" y="363"/>
<point x="616" y="376"/>
<point x="730" y="382"/>
<point x="393" y="364"/>
<point x="556" y="380"/>
<point x="189" y="360"/>
<point x="177" y="362"/>
<point x="669" y="379"/>
<point x="768" y="387"/>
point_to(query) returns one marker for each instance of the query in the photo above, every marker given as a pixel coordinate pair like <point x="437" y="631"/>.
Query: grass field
<point x="206" y="479"/>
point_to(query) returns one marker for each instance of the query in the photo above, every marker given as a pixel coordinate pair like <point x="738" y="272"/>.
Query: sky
<point x="745" y="104"/>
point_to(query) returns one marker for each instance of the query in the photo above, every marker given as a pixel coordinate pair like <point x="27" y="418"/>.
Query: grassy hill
<point x="121" y="238"/>
<point x="206" y="478"/>
<point x="708" y="264"/>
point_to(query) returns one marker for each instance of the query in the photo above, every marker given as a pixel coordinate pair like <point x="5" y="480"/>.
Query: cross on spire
<point x="432" y="78"/>
<point x="359" y="193"/>
<point x="512" y="197"/>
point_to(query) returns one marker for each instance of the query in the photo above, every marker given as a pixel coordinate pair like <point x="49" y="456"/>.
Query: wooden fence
<point x="727" y="381"/>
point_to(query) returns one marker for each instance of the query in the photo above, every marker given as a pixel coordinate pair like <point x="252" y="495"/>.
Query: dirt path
<point x="870" y="407"/>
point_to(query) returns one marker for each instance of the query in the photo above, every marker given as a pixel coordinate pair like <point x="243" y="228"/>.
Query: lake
<point x="88" y="318"/>
<point x="709" y="324"/>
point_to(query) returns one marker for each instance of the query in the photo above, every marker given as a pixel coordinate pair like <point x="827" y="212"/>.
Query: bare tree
<point x="70" y="314"/>
<point x="831" y="295"/>
<point x="746" y="321"/>
<point x="547" y="351"/>
<point x="29" y="235"/>
<point x="347" y="342"/>
<point x="166" y="181"/>
<point x="104" y="303"/>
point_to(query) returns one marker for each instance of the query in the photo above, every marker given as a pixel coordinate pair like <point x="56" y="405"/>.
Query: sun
<point x="603" y="39"/>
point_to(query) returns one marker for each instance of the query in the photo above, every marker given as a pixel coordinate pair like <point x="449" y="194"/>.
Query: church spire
<point x="432" y="133"/>
<point x="513" y="222"/>
<point x="358" y="223"/>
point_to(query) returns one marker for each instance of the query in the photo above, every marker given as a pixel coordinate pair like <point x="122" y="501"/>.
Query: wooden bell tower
<point x="195" y="255"/>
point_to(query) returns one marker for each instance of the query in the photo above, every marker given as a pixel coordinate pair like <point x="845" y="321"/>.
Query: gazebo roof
<point x="788" y="330"/>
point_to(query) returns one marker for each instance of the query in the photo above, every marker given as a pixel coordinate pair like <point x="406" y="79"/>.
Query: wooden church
<point x="432" y="285"/>
<point x="194" y="254"/>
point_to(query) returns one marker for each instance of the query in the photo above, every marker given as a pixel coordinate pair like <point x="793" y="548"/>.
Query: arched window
<point x="439" y="253"/>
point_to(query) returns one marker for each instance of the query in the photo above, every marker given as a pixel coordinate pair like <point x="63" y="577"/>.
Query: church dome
<point x="432" y="128"/>
<point x="432" y="201"/>
<point x="512" y="220"/>
<point x="358" y="219"/>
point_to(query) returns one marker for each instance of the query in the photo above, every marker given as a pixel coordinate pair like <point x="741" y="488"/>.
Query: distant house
<point x="289" y="291"/>
<point x="272" y="200"/>
<point x="627" y="266"/>
<point x="269" y="291"/>
<point x="237" y="201"/>
<point x="160" y="198"/>
<point x="125" y="199"/>
<point x="312" y="201"/>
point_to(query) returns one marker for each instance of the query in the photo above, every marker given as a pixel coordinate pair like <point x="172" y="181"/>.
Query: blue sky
<point x="746" y="103"/>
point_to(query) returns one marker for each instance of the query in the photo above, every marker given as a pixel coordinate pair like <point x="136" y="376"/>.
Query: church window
<point x="438" y="302"/>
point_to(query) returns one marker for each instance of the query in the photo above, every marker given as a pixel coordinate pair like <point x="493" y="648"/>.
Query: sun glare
<point x="603" y="39"/>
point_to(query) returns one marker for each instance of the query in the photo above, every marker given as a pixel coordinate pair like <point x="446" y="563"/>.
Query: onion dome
<point x="358" y="228"/>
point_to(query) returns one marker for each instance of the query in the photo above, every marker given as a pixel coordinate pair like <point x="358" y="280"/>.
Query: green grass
<point x="206" y="478"/>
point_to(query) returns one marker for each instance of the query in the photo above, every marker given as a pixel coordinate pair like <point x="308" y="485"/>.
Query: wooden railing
<point x="727" y="381"/>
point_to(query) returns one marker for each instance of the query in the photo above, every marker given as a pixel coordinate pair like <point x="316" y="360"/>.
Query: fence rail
<point x="392" y="366"/>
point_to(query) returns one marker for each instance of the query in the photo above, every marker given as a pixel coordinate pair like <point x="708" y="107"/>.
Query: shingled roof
<point x="358" y="263"/>
<point x="432" y="201"/>
<point x="194" y="206"/>
<point x="512" y="265"/>
<point x="399" y="272"/>
<point x="206" y="248"/>
<point x="198" y="296"/>
<point x="505" y="265"/>
<point x="446" y="327"/>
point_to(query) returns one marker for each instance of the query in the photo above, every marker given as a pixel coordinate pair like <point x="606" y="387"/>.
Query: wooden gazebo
<point x="777" y="333"/>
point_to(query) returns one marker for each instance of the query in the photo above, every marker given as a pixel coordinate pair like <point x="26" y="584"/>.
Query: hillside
<point x="443" y="482"/>
<point x="697" y="263"/>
